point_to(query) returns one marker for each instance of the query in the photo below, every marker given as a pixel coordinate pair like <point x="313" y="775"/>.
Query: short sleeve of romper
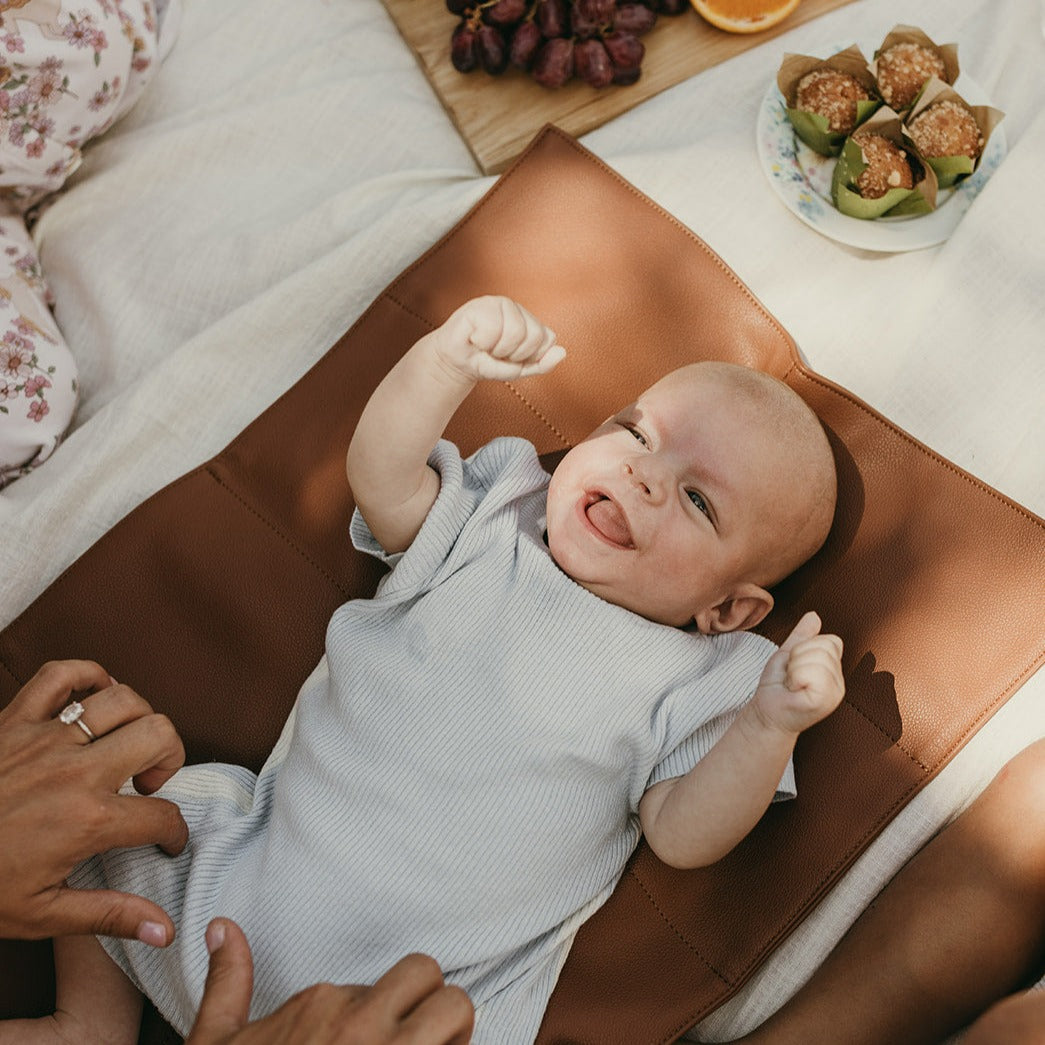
<point x="506" y="463"/>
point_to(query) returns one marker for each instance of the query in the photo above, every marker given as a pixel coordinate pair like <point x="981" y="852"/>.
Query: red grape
<point x="554" y="63"/>
<point x="489" y="46"/>
<point x="553" y="18"/>
<point x="635" y="19"/>
<point x="505" y="12"/>
<point x="555" y="40"/>
<point x="523" y="48"/>
<point x="625" y="50"/>
<point x="589" y="16"/>
<point x="462" y="48"/>
<point x="626" y="77"/>
<point x="592" y="64"/>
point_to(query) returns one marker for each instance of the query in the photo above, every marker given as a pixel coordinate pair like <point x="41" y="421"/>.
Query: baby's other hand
<point x="496" y="339"/>
<point x="802" y="683"/>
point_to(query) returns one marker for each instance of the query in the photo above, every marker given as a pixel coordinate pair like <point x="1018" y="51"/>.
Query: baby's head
<point x="687" y="505"/>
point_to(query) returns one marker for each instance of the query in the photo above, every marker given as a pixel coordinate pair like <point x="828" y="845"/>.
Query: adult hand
<point x="409" y="1005"/>
<point x="59" y="803"/>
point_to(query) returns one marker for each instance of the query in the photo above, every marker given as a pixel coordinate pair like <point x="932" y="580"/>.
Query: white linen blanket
<point x="290" y="159"/>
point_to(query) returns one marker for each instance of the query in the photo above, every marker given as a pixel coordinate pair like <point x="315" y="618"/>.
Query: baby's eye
<point x="699" y="501"/>
<point x="634" y="431"/>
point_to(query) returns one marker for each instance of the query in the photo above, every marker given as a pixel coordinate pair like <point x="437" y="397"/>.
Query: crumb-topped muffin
<point x="903" y="70"/>
<point x="833" y="95"/>
<point x="946" y="128"/>
<point x="887" y="166"/>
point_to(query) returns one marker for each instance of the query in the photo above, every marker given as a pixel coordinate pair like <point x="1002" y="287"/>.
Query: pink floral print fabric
<point x="69" y="69"/>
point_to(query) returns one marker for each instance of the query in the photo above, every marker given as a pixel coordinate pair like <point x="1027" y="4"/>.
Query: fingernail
<point x="215" y="936"/>
<point x="113" y="681"/>
<point x="153" y="934"/>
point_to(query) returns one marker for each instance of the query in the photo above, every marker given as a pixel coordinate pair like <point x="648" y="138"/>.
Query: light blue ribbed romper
<point x="460" y="776"/>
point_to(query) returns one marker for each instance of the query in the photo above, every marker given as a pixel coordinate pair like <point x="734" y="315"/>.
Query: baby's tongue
<point x="608" y="519"/>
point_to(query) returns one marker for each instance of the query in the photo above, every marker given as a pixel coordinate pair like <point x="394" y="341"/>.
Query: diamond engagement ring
<point x="72" y="714"/>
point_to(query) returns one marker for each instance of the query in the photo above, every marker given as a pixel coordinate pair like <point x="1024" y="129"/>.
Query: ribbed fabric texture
<point x="461" y="774"/>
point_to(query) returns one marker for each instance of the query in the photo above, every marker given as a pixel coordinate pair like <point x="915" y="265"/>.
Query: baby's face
<point x="667" y="506"/>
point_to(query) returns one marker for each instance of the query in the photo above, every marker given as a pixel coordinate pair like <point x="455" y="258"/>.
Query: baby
<point x="552" y="667"/>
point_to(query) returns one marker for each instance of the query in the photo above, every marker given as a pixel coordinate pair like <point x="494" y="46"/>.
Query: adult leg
<point x="68" y="70"/>
<point x="1017" y="1020"/>
<point x="95" y="1001"/>
<point x="37" y="372"/>
<point x="960" y="926"/>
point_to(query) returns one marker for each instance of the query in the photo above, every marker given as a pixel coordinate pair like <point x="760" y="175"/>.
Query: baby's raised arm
<point x="694" y="820"/>
<point x="487" y="338"/>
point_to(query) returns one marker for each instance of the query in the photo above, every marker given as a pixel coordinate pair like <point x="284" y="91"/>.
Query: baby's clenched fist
<point x="494" y="338"/>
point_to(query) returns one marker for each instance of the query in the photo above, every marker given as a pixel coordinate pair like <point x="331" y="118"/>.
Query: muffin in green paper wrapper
<point x="906" y="60"/>
<point x="826" y="99"/>
<point x="879" y="174"/>
<point x="949" y="134"/>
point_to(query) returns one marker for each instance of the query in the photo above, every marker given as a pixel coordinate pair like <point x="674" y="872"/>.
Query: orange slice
<point x="744" y="16"/>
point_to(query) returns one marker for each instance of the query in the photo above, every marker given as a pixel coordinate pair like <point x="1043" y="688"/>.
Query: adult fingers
<point x="102" y="912"/>
<point x="225" y="1006"/>
<point x="111" y="707"/>
<point x="406" y="984"/>
<point x="133" y="820"/>
<point x="52" y="687"/>
<point x="431" y="1013"/>
<point x="445" y="1017"/>
<point x="147" y="749"/>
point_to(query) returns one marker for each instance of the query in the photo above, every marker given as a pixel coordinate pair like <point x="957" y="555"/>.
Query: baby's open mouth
<point x="608" y="520"/>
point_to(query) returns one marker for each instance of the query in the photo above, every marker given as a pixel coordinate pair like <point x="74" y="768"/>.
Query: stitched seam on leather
<point x="19" y="682"/>
<point x="537" y="413"/>
<point x="511" y="388"/>
<point x="679" y="935"/>
<point x="830" y="876"/>
<point x="410" y="311"/>
<point x="432" y="251"/>
<point x="690" y="234"/>
<point x="504" y="178"/>
<point x="276" y="530"/>
<point x="1007" y="502"/>
<point x="682" y="1026"/>
<point x="888" y="736"/>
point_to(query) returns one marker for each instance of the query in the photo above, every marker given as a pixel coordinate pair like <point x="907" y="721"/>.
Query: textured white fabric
<point x="462" y="776"/>
<point x="290" y="159"/>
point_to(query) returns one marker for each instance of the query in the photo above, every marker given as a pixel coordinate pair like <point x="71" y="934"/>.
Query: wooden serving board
<point x="498" y="116"/>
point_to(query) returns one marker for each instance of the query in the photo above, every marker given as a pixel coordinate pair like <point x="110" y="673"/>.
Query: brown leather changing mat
<point x="212" y="597"/>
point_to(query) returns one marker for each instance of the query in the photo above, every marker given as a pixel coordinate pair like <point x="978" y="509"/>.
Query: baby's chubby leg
<point x="95" y="1004"/>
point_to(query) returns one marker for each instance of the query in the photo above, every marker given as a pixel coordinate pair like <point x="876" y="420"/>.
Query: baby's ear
<point x="745" y="608"/>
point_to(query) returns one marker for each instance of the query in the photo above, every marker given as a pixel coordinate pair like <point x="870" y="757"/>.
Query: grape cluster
<point x="555" y="40"/>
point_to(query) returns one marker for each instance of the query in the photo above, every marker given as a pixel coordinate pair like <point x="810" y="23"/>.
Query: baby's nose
<point x="644" y="477"/>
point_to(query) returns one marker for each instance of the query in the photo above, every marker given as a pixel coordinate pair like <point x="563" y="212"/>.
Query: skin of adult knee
<point x="1015" y="1021"/>
<point x="1017" y="794"/>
